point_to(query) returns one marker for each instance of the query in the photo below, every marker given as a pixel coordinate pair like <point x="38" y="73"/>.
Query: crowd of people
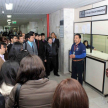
<point x="18" y="46"/>
<point x="26" y="61"/>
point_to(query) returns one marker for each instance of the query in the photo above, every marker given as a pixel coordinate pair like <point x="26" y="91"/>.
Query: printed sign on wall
<point x="93" y="12"/>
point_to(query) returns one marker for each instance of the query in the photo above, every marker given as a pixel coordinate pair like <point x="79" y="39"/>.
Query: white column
<point x="68" y="35"/>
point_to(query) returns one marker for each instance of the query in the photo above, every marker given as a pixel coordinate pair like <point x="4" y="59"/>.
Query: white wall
<point x="42" y="26"/>
<point x="76" y="15"/>
<point x="24" y="28"/>
<point x="32" y="26"/>
<point x="1" y="28"/>
<point x="54" y="22"/>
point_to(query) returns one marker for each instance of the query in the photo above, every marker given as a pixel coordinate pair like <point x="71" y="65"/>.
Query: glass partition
<point x="85" y="37"/>
<point x="100" y="42"/>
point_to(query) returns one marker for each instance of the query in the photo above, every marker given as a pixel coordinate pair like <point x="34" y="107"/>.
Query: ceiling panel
<point x="26" y="10"/>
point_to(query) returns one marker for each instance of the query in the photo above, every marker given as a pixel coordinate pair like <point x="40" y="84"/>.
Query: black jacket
<point x="9" y="47"/>
<point x="51" y="51"/>
<point x="2" y="101"/>
<point x="57" y="42"/>
<point x="41" y="49"/>
<point x="44" y="42"/>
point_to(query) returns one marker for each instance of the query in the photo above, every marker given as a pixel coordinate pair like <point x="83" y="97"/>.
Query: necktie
<point x="38" y="44"/>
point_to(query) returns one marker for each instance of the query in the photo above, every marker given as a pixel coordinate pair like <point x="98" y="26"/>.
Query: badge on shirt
<point x="74" y="52"/>
<point x="77" y="49"/>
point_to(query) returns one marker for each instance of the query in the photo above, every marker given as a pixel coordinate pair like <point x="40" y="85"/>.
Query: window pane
<point x="99" y="42"/>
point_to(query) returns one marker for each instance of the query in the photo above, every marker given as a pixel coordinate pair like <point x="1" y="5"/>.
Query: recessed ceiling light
<point x="9" y="6"/>
<point x="9" y="16"/>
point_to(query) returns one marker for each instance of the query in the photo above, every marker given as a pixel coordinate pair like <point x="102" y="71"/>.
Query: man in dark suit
<point x="30" y="45"/>
<point x="14" y="39"/>
<point x="57" y="42"/>
<point x="41" y="48"/>
<point x="51" y="52"/>
<point x="43" y="38"/>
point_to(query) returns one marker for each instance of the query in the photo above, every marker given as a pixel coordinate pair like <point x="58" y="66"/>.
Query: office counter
<point x="96" y="64"/>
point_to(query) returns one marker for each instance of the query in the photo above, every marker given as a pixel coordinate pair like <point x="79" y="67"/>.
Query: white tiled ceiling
<point x="26" y="10"/>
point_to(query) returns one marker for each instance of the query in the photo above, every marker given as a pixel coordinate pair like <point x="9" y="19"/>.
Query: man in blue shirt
<point x="77" y="53"/>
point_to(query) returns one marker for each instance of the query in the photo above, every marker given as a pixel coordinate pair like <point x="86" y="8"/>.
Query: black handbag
<point x="16" y="104"/>
<point x="2" y="101"/>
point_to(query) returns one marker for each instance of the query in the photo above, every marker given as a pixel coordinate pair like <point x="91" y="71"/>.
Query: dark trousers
<point x="51" y="62"/>
<point x="57" y="62"/>
<point x="77" y="68"/>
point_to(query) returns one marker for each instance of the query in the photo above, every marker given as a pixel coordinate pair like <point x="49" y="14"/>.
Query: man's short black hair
<point x="2" y="43"/>
<point x="30" y="34"/>
<point x="78" y="35"/>
<point x="26" y="36"/>
<point x="42" y="34"/>
<point x="36" y="34"/>
<point x="49" y="38"/>
<point x="39" y="34"/>
<point x="12" y="36"/>
<point x="19" y="36"/>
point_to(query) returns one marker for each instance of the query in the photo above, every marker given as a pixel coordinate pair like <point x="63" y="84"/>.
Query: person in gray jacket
<point x="30" y="45"/>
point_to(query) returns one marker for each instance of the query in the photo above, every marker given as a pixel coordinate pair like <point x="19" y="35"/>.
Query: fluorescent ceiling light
<point x="9" y="6"/>
<point x="9" y="16"/>
<point x="8" y="20"/>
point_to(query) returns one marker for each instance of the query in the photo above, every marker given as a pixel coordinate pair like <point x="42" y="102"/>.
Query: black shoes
<point x="57" y="75"/>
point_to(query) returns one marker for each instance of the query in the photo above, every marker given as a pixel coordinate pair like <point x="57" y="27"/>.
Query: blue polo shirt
<point x="79" y="51"/>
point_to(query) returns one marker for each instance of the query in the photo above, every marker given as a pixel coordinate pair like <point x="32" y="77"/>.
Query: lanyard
<point x="75" y="47"/>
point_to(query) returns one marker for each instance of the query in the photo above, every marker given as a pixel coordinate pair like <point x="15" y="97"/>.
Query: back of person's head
<point x="8" y="73"/>
<point x="15" y="50"/>
<point x="31" y="68"/>
<point x="4" y="39"/>
<point x="70" y="94"/>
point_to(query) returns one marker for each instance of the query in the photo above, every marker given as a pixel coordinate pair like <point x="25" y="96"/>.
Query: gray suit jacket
<point x="30" y="49"/>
